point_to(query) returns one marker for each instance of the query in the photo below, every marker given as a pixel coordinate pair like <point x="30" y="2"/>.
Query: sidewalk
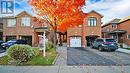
<point x="123" y="50"/>
<point x="61" y="67"/>
<point x="64" y="69"/>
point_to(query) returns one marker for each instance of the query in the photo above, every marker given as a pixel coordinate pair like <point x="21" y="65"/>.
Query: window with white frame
<point x="26" y="21"/>
<point x="11" y="22"/>
<point x="92" y="21"/>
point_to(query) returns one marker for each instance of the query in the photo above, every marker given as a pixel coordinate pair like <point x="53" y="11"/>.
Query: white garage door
<point x="75" y="41"/>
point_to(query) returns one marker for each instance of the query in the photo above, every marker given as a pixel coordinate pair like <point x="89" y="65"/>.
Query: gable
<point x="24" y="13"/>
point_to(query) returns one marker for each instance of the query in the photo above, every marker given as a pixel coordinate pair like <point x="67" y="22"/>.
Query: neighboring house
<point x="109" y="27"/>
<point x="84" y="35"/>
<point x="22" y="26"/>
<point x="121" y="33"/>
<point x="1" y="29"/>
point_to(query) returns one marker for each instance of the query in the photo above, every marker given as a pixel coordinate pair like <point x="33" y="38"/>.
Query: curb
<point x="55" y="58"/>
<point x="123" y="52"/>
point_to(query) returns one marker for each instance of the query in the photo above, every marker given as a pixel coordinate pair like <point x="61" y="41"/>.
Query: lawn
<point x="37" y="60"/>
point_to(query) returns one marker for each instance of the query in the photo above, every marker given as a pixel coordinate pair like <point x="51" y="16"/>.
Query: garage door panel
<point x="75" y="41"/>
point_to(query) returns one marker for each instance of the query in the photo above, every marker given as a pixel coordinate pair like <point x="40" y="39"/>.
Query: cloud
<point x="109" y="8"/>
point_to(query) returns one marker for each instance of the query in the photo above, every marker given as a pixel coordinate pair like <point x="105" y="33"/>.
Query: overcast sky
<point x="108" y="8"/>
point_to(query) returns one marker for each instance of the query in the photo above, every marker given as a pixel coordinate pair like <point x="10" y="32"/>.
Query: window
<point x="92" y="22"/>
<point x="11" y="23"/>
<point x="26" y="21"/>
<point x="114" y="25"/>
<point x="110" y="40"/>
<point x="129" y="36"/>
<point x="99" y="40"/>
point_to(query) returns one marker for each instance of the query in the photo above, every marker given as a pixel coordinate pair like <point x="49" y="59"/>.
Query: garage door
<point x="75" y="41"/>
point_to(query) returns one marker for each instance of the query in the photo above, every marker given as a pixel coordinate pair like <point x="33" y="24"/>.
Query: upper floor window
<point x="26" y="21"/>
<point x="92" y="21"/>
<point x="11" y="22"/>
<point x="114" y="25"/>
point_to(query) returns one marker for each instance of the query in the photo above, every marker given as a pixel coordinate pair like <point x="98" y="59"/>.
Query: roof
<point x="124" y="19"/>
<point x="112" y="21"/>
<point x="17" y="15"/>
<point x="95" y="12"/>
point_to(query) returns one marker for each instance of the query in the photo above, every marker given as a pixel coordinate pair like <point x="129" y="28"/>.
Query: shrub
<point x="20" y="53"/>
<point x="49" y="46"/>
<point x="36" y="51"/>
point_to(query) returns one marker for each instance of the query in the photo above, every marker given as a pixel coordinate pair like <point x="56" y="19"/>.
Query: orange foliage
<point x="68" y="13"/>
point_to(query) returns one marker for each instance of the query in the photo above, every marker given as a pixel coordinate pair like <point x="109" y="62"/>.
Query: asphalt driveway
<point x="87" y="56"/>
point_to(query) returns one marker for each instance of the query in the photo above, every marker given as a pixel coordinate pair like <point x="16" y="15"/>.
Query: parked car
<point x="0" y="44"/>
<point x="108" y="44"/>
<point x="12" y="42"/>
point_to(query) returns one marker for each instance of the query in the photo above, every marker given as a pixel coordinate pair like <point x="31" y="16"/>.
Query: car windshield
<point x="110" y="40"/>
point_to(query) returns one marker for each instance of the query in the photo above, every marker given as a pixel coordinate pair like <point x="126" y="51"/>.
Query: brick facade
<point x="125" y="26"/>
<point x="85" y="30"/>
<point x="20" y="31"/>
<point x="120" y="33"/>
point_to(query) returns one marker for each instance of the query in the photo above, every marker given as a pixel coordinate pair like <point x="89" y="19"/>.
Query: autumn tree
<point x="61" y="14"/>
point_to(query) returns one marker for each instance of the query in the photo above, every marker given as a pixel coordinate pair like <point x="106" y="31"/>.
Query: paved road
<point x="87" y="56"/>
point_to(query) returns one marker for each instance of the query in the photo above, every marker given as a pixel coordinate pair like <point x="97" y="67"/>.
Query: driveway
<point x="88" y="56"/>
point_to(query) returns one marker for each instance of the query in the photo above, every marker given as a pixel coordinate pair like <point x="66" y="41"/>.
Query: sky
<point x="110" y="9"/>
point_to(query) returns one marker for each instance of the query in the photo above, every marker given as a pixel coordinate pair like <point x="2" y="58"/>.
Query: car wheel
<point x="100" y="48"/>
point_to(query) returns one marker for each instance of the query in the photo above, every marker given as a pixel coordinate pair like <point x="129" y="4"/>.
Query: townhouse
<point x="85" y="34"/>
<point x="23" y="26"/>
<point x="118" y="29"/>
<point x="1" y="29"/>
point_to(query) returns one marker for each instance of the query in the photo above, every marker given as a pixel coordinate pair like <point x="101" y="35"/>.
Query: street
<point x="88" y="56"/>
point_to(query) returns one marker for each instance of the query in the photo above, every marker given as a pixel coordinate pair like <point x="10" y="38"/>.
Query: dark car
<point x="0" y="44"/>
<point x="12" y="42"/>
<point x="108" y="44"/>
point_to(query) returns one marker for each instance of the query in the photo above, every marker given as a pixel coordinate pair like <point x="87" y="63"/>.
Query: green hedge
<point x="20" y="53"/>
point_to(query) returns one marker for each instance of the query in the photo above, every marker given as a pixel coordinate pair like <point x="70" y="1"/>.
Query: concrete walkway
<point x="64" y="69"/>
<point x="62" y="58"/>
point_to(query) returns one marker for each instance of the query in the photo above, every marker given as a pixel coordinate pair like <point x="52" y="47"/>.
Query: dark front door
<point x="90" y="40"/>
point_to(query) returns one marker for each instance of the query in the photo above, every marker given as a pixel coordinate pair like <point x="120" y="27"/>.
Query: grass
<point x="4" y="60"/>
<point x="37" y="60"/>
<point x="40" y="60"/>
<point x="128" y="48"/>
